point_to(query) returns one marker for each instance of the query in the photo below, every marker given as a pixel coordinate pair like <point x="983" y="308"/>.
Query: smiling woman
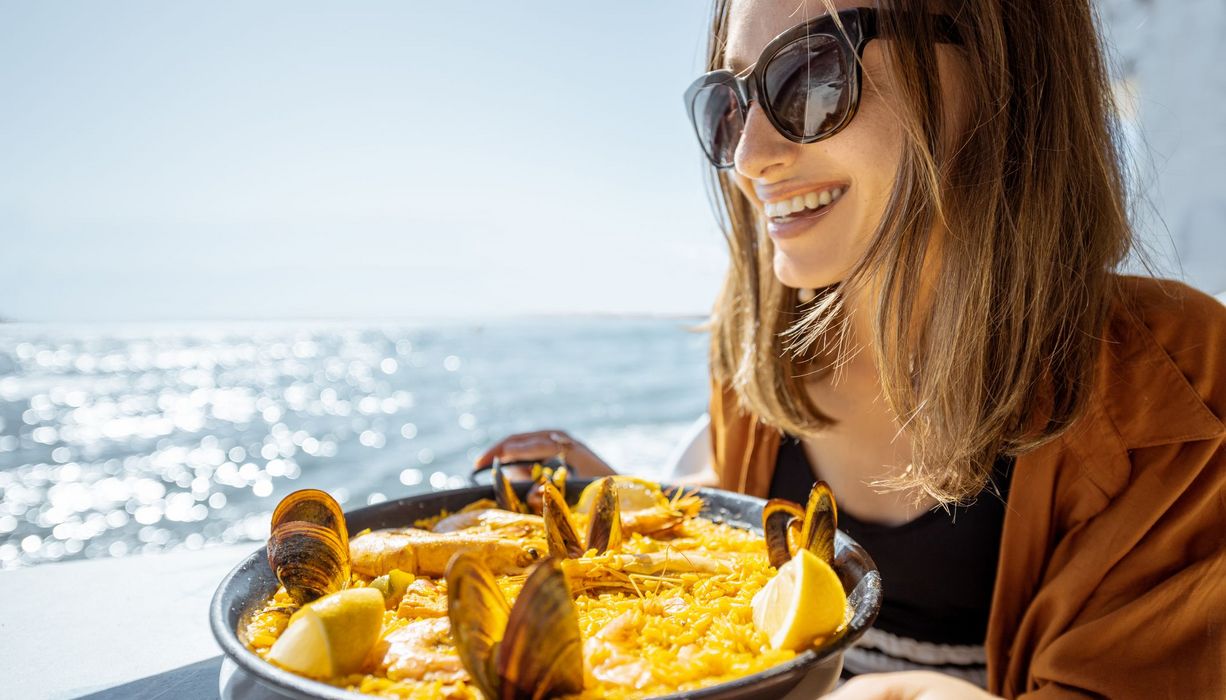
<point x="928" y="214"/>
<point x="925" y="211"/>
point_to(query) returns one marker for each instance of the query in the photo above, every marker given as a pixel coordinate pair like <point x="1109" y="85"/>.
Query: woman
<point x="924" y="207"/>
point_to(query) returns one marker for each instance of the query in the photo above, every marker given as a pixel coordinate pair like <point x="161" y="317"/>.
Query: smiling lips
<point x="803" y="204"/>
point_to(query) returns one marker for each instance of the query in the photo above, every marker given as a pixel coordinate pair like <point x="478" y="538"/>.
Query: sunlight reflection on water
<point x="138" y="440"/>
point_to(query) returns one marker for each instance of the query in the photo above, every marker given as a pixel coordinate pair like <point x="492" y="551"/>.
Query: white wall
<point x="1168" y="54"/>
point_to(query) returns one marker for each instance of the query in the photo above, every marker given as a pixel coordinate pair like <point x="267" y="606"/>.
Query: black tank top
<point x="937" y="572"/>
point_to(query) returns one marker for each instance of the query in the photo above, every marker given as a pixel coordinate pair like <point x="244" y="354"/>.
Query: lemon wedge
<point x="303" y="647"/>
<point x="633" y="494"/>
<point x="331" y="636"/>
<point x="804" y="601"/>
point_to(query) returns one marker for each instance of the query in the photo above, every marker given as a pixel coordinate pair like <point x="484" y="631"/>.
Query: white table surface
<point x="133" y="627"/>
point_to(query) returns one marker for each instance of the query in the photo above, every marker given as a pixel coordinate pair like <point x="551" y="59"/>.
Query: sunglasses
<point x="807" y="82"/>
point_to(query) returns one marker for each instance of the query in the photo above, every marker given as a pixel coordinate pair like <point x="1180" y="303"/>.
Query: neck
<point x="867" y="442"/>
<point x="853" y="356"/>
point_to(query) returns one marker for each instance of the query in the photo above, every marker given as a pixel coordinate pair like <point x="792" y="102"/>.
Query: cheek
<point x="872" y="151"/>
<point x="746" y="187"/>
<point x="868" y="150"/>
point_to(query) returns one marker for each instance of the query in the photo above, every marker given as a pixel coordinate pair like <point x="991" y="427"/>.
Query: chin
<point x="801" y="274"/>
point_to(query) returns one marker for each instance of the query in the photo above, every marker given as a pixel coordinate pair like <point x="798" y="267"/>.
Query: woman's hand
<point x="541" y="445"/>
<point x="910" y="685"/>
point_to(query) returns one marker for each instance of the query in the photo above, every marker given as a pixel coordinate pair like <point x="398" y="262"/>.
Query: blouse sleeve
<point x="1135" y="597"/>
<point x="1112" y="577"/>
<point x="743" y="449"/>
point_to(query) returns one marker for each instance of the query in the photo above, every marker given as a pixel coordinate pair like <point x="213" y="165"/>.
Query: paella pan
<point x="612" y="588"/>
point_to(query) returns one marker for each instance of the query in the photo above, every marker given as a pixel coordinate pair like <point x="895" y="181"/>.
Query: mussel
<point x="560" y="535"/>
<point x="308" y="547"/>
<point x="530" y="650"/>
<point x="604" y="526"/>
<point x="507" y="499"/>
<point x="594" y="562"/>
<point x="643" y="506"/>
<point x="541" y="476"/>
<point x="504" y="492"/>
<point x="788" y="528"/>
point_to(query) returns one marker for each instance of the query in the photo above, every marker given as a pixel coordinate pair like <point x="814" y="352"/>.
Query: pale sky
<point x="406" y="159"/>
<point x="165" y="161"/>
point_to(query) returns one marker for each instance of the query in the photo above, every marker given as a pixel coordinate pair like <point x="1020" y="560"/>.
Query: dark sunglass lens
<point x="806" y="86"/>
<point x="717" y="120"/>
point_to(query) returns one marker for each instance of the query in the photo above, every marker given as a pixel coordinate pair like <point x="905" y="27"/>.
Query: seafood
<point x="422" y="598"/>
<point x="530" y="650"/>
<point x="612" y="652"/>
<point x="504" y="492"/>
<point x="632" y="571"/>
<point x="786" y="527"/>
<point x="492" y="519"/>
<point x="604" y="526"/>
<point x="426" y="553"/>
<point x="308" y="547"/>
<point x="643" y="507"/>
<point x="592" y="563"/>
<point x="540" y="477"/>
<point x="628" y="593"/>
<point x="647" y="511"/>
<point x="421" y="650"/>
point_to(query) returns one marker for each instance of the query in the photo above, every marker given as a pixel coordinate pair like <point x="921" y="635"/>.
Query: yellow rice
<point x="689" y="630"/>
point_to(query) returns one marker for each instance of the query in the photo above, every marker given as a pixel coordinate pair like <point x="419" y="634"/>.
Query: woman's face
<point x="856" y="167"/>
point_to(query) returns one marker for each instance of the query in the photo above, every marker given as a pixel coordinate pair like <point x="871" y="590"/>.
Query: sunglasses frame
<point x="860" y="25"/>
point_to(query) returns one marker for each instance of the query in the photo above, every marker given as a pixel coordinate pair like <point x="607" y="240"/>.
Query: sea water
<point x="123" y="440"/>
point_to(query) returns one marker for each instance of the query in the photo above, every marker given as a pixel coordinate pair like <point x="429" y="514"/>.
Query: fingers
<point x="877" y="686"/>
<point x="541" y="445"/>
<point x="527" y="447"/>
<point x="518" y="473"/>
<point x="909" y="685"/>
<point x="870" y="687"/>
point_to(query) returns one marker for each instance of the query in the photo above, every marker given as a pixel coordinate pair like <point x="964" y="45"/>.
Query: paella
<point x="628" y="592"/>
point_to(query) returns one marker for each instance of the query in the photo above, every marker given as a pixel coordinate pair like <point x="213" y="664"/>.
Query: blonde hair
<point x="998" y="356"/>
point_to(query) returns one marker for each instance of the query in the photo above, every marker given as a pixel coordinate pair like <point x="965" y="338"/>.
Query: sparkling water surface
<point x="124" y="440"/>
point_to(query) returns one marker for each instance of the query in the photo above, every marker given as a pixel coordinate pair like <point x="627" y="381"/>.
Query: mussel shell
<point x="604" y="528"/>
<point x="478" y="613"/>
<point x="778" y="517"/>
<point x="312" y="506"/>
<point x="821" y="519"/>
<point x="504" y="492"/>
<point x="560" y="533"/>
<point x="308" y="559"/>
<point x="541" y="653"/>
<point x="308" y="547"/>
<point x="540" y="477"/>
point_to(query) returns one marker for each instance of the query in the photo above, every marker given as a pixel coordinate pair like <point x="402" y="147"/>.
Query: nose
<point x="762" y="150"/>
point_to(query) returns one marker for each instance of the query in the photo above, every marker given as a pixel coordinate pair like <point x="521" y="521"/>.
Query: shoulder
<point x="1154" y="412"/>
<point x="1166" y="338"/>
<point x="1116" y="525"/>
<point x="1187" y="323"/>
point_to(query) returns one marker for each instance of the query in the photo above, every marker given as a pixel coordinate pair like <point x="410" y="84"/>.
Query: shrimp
<point x="422" y="651"/>
<point x="621" y="570"/>
<point x="493" y="520"/>
<point x="612" y="654"/>
<point x="425" y="553"/>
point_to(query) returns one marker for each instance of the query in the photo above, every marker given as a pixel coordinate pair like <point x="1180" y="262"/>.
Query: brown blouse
<point x="1112" y="572"/>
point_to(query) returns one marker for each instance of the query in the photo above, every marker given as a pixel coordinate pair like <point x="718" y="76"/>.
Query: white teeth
<point x="809" y="200"/>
